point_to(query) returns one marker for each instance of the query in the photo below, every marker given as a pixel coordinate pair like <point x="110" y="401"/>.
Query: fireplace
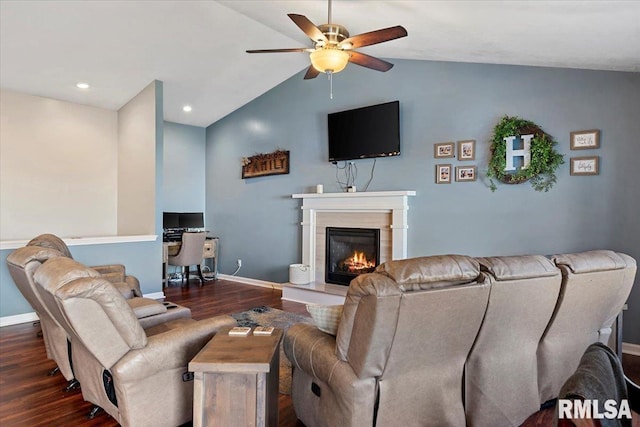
<point x="350" y="252"/>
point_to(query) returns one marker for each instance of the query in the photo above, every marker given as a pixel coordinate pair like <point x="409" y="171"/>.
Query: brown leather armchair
<point x="136" y="376"/>
<point x="22" y="264"/>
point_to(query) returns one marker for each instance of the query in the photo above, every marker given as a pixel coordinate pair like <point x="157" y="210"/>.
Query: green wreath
<point x="544" y="159"/>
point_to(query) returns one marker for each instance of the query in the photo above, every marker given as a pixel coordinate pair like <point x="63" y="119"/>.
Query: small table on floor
<point x="236" y="381"/>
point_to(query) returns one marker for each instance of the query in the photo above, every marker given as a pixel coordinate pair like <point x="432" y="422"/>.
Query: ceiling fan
<point x="334" y="49"/>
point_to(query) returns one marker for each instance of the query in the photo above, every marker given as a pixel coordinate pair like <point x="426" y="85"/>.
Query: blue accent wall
<point x="183" y="170"/>
<point x="258" y="221"/>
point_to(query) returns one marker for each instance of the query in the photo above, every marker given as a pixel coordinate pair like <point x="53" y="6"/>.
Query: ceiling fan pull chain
<point x="330" y="76"/>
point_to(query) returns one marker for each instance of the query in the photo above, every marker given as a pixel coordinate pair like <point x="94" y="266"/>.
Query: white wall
<point x="59" y="174"/>
<point x="137" y="164"/>
<point x="57" y="171"/>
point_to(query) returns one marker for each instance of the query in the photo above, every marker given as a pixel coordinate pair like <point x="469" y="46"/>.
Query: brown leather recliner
<point x="22" y="264"/>
<point x="134" y="375"/>
<point x="595" y="286"/>
<point x="399" y="355"/>
<point x="501" y="388"/>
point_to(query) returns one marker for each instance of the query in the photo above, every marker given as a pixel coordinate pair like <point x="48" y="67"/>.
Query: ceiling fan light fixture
<point x="329" y="60"/>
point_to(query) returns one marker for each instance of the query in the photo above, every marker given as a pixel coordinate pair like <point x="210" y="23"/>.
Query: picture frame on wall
<point x="443" y="174"/>
<point x="466" y="173"/>
<point x="585" y="166"/>
<point x="467" y="150"/>
<point x="444" y="150"/>
<point x="585" y="139"/>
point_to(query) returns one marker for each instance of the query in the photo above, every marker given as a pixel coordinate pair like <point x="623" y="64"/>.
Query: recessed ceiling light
<point x="82" y="85"/>
<point x="187" y="108"/>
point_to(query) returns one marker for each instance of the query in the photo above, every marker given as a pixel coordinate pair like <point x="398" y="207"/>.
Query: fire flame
<point x="358" y="262"/>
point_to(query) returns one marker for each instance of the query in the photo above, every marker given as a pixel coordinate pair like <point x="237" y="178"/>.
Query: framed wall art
<point x="585" y="139"/>
<point x="467" y="150"/>
<point x="465" y="173"/>
<point x="443" y="174"/>
<point x="585" y="165"/>
<point x="443" y="150"/>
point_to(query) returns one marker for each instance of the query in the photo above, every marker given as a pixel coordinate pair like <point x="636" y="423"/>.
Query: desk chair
<point x="190" y="253"/>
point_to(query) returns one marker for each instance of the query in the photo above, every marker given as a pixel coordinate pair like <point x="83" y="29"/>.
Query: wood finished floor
<point x="28" y="397"/>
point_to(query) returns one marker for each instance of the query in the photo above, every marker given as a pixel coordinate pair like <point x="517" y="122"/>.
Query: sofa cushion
<point x="591" y="261"/>
<point x="518" y="267"/>
<point x="431" y="272"/>
<point x="326" y="317"/>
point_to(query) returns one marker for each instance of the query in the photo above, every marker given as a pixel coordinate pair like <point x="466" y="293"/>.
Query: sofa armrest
<point x="129" y="286"/>
<point x="134" y="285"/>
<point x="169" y="350"/>
<point x="314" y="352"/>
<point x="145" y="307"/>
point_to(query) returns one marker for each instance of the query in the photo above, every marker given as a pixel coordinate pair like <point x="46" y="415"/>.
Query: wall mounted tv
<point x="366" y="132"/>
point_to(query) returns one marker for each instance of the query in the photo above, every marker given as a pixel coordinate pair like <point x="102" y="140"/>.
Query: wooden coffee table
<point x="236" y="381"/>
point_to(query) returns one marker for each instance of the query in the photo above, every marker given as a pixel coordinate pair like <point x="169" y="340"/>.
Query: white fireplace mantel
<point x="394" y="202"/>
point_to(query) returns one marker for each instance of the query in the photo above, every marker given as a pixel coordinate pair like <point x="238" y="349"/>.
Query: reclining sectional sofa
<point x="454" y="340"/>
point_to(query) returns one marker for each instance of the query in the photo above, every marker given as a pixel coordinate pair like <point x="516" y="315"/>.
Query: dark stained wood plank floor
<point x="28" y="397"/>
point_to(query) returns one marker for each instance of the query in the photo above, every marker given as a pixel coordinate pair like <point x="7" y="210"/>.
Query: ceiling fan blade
<point x="312" y="73"/>
<point x="373" y="37"/>
<point x="296" y="49"/>
<point x="308" y="27"/>
<point x="369" y="61"/>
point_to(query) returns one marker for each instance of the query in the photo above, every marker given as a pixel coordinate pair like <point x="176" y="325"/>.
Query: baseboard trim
<point x="18" y="318"/>
<point x="632" y="349"/>
<point x="249" y="281"/>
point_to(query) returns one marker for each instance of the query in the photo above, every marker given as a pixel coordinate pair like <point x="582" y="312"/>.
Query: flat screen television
<point x="366" y="132"/>
<point x="170" y="220"/>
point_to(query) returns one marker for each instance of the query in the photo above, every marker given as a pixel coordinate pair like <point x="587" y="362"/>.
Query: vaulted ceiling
<point x="197" y="48"/>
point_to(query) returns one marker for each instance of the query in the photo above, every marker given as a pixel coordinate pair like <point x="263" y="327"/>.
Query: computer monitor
<point x="170" y="220"/>
<point x="191" y="220"/>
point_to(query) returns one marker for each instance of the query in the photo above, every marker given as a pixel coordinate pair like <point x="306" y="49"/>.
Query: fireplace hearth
<point x="350" y="252"/>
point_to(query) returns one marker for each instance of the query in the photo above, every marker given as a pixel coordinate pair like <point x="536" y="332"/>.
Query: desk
<point x="210" y="251"/>
<point x="236" y="381"/>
